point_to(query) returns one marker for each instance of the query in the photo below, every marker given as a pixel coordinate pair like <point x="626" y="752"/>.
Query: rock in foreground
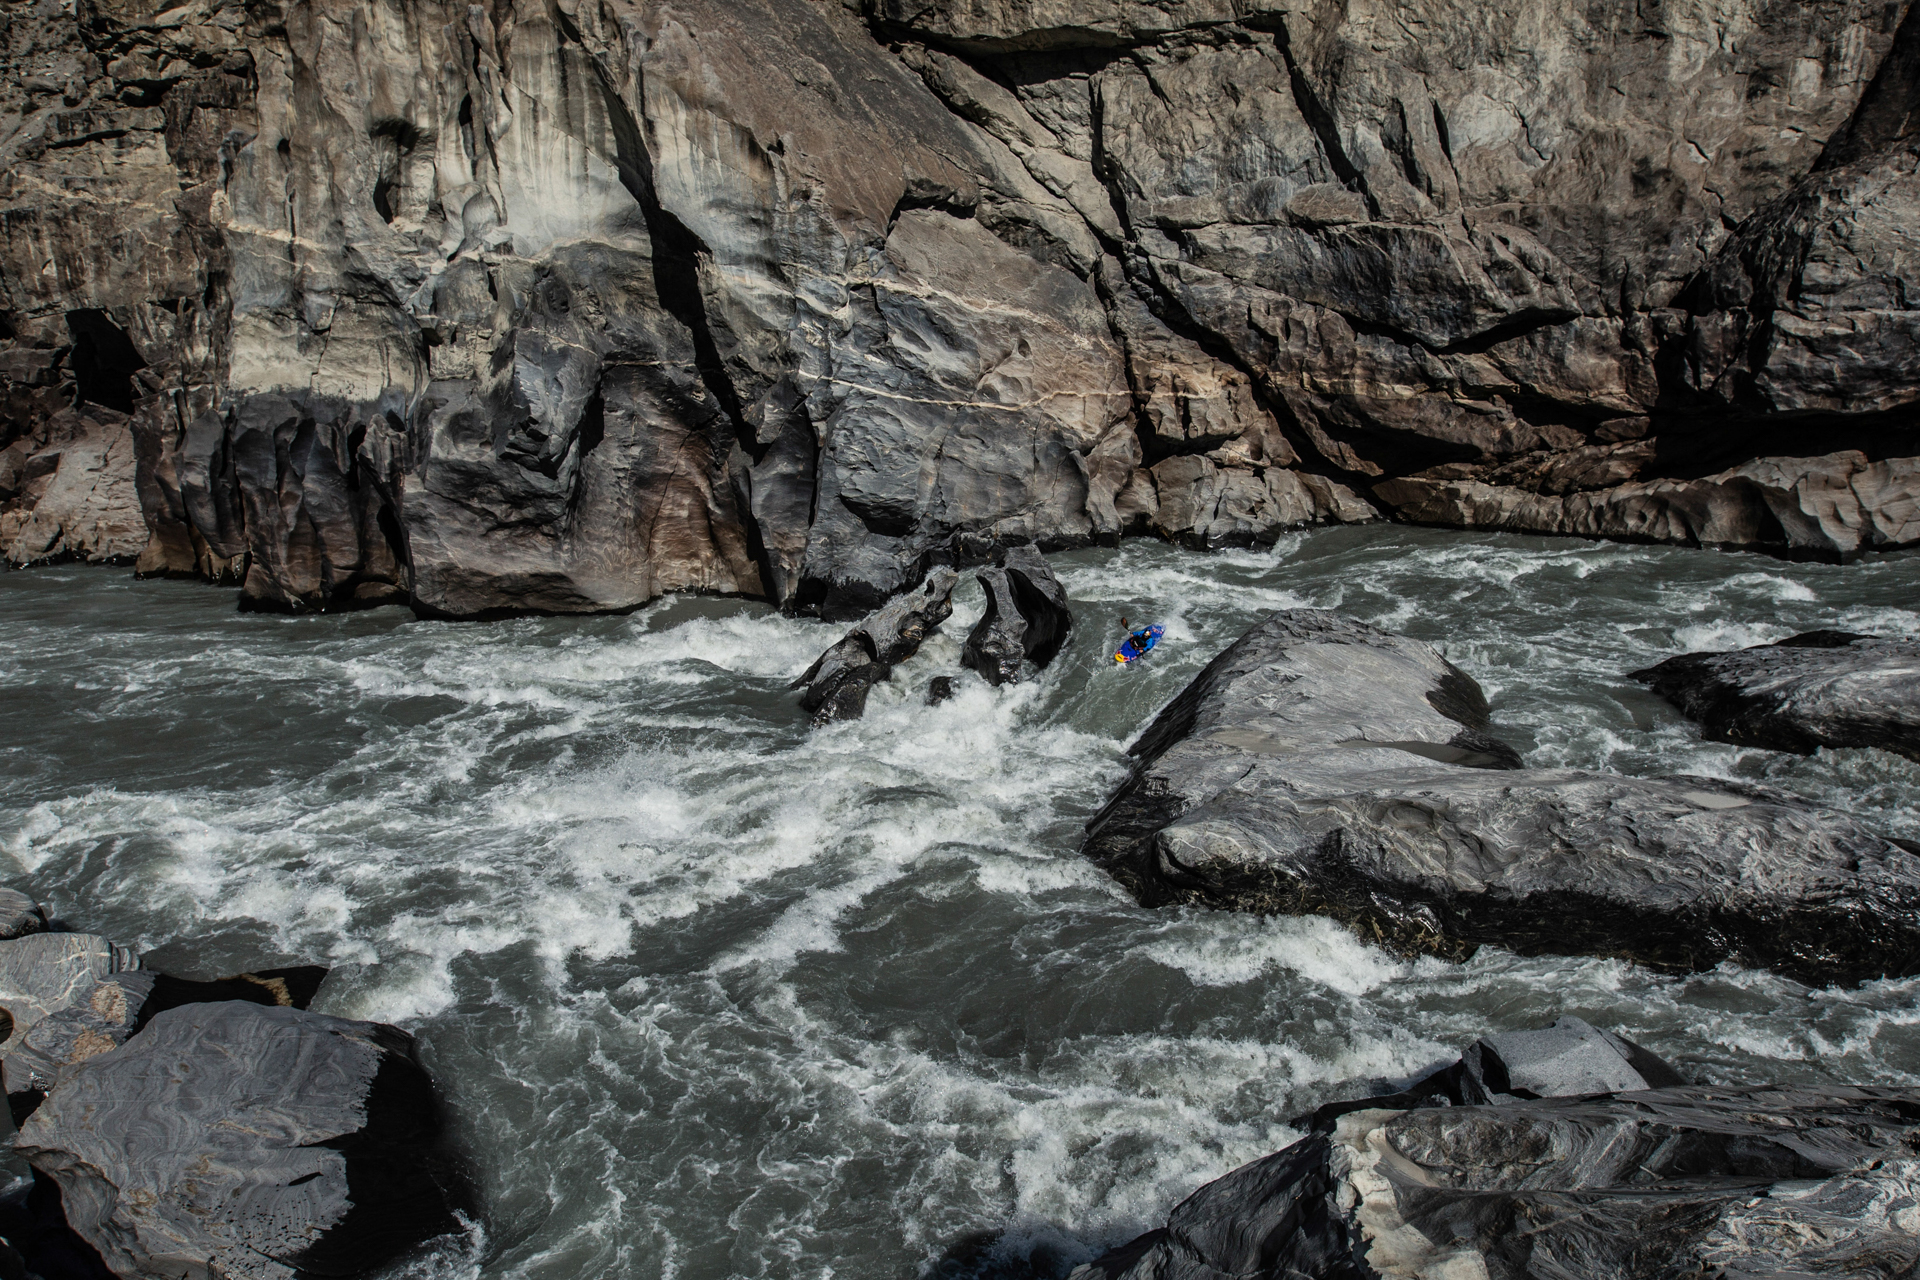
<point x="241" y="1140"/>
<point x="1310" y="769"/>
<point x="837" y="684"/>
<point x="1767" y="1182"/>
<point x="1819" y="689"/>
<point x="1569" y="1059"/>
<point x="1026" y="619"/>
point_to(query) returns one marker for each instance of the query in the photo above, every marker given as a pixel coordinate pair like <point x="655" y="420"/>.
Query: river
<point x="713" y="995"/>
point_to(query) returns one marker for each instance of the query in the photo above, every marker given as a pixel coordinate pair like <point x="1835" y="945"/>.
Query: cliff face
<point x="562" y="305"/>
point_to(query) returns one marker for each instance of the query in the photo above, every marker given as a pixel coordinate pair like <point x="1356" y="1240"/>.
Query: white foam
<point x="1231" y="951"/>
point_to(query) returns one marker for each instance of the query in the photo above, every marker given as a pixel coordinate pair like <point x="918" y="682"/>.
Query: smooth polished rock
<point x="836" y="686"/>
<point x="1818" y="689"/>
<point x="250" y="1141"/>
<point x="1308" y="769"/>
<point x="1027" y="618"/>
<point x="1764" y="1182"/>
<point x="120" y="1005"/>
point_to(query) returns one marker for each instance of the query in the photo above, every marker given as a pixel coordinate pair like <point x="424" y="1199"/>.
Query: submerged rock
<point x="939" y="689"/>
<point x="248" y="1141"/>
<point x="1026" y="619"/>
<point x="1767" y="1182"/>
<point x="1310" y="769"/>
<point x="20" y="915"/>
<point x="1818" y="689"/>
<point x="837" y="684"/>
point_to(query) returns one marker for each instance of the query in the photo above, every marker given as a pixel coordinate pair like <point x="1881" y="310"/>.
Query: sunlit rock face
<point x="560" y="307"/>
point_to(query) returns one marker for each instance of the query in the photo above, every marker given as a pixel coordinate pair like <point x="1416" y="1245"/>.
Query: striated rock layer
<point x="557" y="307"/>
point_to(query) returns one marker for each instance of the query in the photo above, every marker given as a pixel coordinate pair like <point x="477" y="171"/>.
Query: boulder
<point x="20" y="915"/>
<point x="1027" y="618"/>
<point x="939" y="689"/>
<point x="1310" y="769"/>
<point x="836" y="685"/>
<point x="1817" y="689"/>
<point x="1763" y="1182"/>
<point x="245" y="1140"/>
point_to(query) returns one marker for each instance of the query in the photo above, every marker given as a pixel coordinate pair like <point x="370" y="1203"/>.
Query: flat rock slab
<point x="1768" y="1182"/>
<point x="1309" y="769"/>
<point x="1818" y="689"/>
<point x="118" y="1006"/>
<point x="247" y="1140"/>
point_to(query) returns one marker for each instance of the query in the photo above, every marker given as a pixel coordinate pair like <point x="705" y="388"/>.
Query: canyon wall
<point x="561" y="305"/>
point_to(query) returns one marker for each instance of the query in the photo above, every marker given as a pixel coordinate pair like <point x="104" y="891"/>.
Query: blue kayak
<point x="1139" y="644"/>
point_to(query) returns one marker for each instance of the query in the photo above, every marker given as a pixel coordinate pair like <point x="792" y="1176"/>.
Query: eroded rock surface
<point x="1819" y="689"/>
<point x="1321" y="766"/>
<point x="1767" y="1182"/>
<point x="558" y="308"/>
<point x="246" y="1140"/>
<point x="1026" y="619"/>
<point x="836" y="686"/>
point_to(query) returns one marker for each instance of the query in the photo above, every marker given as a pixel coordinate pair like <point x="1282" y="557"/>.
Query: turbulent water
<point x="716" y="996"/>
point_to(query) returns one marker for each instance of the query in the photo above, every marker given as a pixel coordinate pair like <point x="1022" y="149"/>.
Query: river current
<point x="713" y="995"/>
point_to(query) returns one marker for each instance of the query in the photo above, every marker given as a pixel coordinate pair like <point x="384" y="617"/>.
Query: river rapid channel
<point x="713" y="996"/>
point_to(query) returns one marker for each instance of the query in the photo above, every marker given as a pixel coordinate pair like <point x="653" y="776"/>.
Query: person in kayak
<point x="1138" y="643"/>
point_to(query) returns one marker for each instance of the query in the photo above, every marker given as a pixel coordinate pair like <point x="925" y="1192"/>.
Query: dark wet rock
<point x="1819" y="689"/>
<point x="1310" y="769"/>
<point x="836" y="685"/>
<point x="1766" y="1182"/>
<point x="20" y="915"/>
<point x="1570" y="1059"/>
<point x="248" y="1140"/>
<point x="1026" y="620"/>
<point x="939" y="689"/>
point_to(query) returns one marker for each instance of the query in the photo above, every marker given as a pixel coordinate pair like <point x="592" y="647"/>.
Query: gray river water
<point x="716" y="996"/>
